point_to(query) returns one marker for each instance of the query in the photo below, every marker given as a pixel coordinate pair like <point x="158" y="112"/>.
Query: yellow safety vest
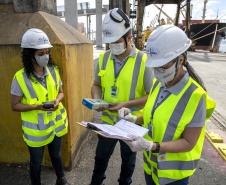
<point x="168" y="121"/>
<point x="40" y="127"/>
<point x="129" y="82"/>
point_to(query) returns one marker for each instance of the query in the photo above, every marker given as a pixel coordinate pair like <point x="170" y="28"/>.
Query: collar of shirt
<point x="132" y="54"/>
<point x="177" y="88"/>
<point x="46" y="73"/>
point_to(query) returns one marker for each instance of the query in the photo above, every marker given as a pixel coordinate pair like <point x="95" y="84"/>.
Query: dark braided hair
<point x="192" y="72"/>
<point x="28" y="56"/>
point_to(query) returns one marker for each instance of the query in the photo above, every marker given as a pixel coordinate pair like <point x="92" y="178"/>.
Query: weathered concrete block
<point x="6" y="1"/>
<point x="26" y="6"/>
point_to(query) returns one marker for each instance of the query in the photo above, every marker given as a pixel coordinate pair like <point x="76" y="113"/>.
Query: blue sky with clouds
<point x="213" y="8"/>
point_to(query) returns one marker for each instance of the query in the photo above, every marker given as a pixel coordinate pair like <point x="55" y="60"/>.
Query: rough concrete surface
<point x="211" y="169"/>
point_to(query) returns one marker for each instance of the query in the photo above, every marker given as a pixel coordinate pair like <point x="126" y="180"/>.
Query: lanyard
<point x="117" y="73"/>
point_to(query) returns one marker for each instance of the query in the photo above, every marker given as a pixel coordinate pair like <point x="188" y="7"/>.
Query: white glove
<point x="124" y="113"/>
<point x="139" y="143"/>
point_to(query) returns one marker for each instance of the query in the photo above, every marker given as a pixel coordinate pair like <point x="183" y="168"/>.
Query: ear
<point x="129" y="38"/>
<point x="181" y="59"/>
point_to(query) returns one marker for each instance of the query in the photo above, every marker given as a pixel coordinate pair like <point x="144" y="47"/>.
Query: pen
<point x="131" y="110"/>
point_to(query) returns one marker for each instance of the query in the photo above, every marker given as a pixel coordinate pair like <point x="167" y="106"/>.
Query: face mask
<point x="117" y="48"/>
<point x="167" y="75"/>
<point x="42" y="60"/>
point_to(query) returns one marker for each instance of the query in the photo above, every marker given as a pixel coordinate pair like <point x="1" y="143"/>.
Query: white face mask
<point x="167" y="75"/>
<point x="117" y="48"/>
<point x="42" y="60"/>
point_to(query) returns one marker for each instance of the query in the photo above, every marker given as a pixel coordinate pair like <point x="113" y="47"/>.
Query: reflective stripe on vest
<point x="105" y="59"/>
<point x="29" y="86"/>
<point x="41" y="126"/>
<point x="154" y="86"/>
<point x="37" y="139"/>
<point x="113" y="117"/>
<point x="53" y="73"/>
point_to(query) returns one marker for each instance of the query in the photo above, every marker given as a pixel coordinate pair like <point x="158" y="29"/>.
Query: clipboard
<point x="98" y="132"/>
<point x="120" y="130"/>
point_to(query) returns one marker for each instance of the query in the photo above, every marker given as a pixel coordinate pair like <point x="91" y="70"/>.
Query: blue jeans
<point x="104" y="150"/>
<point x="149" y="180"/>
<point x="36" y="155"/>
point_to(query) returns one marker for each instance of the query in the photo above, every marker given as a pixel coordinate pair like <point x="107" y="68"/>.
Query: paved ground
<point x="211" y="168"/>
<point x="212" y="69"/>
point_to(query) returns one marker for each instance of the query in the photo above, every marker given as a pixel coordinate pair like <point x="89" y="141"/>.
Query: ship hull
<point x="206" y="42"/>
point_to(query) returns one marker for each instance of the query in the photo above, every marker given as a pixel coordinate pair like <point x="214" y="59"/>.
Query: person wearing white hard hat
<point x="122" y="79"/>
<point x="36" y="92"/>
<point x="175" y="113"/>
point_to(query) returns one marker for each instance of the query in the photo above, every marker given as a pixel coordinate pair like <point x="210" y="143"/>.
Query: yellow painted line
<point x="214" y="139"/>
<point x="222" y="151"/>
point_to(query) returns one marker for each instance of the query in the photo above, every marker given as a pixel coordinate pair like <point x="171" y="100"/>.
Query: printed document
<point x="120" y="130"/>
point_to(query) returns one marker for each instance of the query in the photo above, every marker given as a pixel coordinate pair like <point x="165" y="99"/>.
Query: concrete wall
<point x="23" y="6"/>
<point x="73" y="53"/>
<point x="6" y="1"/>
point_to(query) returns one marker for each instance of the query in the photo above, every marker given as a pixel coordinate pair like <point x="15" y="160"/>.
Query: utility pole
<point x="71" y="13"/>
<point x="98" y="23"/>
<point x="188" y="18"/>
<point x="204" y="12"/>
<point x="177" y="15"/>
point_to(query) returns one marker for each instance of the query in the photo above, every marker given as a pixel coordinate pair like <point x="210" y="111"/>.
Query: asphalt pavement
<point x="211" y="168"/>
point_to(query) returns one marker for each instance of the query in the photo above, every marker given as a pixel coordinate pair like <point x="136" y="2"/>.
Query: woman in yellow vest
<point x="175" y="113"/>
<point x="37" y="93"/>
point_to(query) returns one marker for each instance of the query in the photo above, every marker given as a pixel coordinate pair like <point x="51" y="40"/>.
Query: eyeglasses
<point x="167" y="66"/>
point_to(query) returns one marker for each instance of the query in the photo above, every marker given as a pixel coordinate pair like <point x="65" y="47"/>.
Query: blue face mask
<point x="42" y="60"/>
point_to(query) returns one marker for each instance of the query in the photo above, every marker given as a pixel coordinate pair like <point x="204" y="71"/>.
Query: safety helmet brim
<point x="44" y="46"/>
<point x="106" y="39"/>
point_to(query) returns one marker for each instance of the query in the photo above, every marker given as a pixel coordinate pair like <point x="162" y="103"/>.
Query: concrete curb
<point x="216" y="138"/>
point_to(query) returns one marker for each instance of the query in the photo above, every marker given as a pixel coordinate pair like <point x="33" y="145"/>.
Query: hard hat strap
<point x="115" y="19"/>
<point x="127" y="24"/>
<point x="120" y="12"/>
<point x="125" y="40"/>
<point x="178" y="63"/>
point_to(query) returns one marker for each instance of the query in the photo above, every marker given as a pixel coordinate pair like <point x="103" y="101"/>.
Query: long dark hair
<point x="27" y="60"/>
<point x="192" y="72"/>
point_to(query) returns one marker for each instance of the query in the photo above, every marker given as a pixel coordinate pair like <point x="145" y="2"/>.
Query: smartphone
<point x="48" y="105"/>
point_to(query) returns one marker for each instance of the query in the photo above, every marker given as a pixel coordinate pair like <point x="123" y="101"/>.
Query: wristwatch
<point x="157" y="148"/>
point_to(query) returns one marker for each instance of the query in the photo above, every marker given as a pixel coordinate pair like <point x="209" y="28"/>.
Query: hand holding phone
<point x="48" y="105"/>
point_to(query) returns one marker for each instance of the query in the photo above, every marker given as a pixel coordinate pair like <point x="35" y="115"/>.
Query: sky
<point x="213" y="8"/>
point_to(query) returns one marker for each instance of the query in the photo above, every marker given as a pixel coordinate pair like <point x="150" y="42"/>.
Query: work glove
<point x="124" y="113"/>
<point x="139" y="143"/>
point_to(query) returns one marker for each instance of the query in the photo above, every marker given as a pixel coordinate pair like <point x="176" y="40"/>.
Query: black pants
<point x="36" y="155"/>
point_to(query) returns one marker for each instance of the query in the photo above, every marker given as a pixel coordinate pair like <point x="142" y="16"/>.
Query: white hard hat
<point x="164" y="44"/>
<point x="115" y="24"/>
<point x="36" y="39"/>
